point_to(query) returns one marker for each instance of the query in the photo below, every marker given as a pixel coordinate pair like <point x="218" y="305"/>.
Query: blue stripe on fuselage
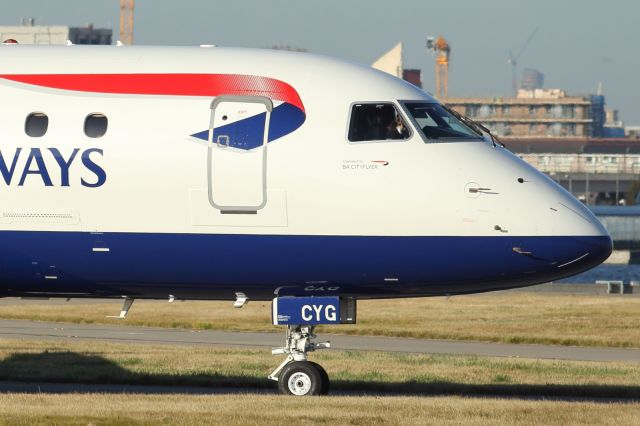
<point x="215" y="266"/>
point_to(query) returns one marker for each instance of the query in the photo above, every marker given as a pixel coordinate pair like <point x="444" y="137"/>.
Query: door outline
<point x="265" y="139"/>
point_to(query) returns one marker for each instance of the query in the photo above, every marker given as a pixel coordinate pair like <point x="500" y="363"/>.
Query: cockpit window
<point x="376" y="122"/>
<point x="438" y="124"/>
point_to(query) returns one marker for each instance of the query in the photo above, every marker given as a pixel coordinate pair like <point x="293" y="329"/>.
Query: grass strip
<point x="118" y="363"/>
<point x="118" y="409"/>
<point x="542" y="318"/>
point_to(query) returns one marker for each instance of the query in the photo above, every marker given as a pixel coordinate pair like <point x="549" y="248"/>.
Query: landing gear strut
<point x="295" y="375"/>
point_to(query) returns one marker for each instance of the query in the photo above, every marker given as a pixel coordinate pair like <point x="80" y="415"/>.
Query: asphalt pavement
<point x="34" y="330"/>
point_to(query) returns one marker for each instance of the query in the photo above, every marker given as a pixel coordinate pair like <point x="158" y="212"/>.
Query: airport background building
<point x="597" y="171"/>
<point x="536" y="113"/>
<point x="29" y="33"/>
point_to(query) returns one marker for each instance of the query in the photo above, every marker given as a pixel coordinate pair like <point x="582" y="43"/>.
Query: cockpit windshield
<point x="437" y="123"/>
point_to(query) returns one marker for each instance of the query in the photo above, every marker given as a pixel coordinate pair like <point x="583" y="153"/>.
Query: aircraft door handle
<point x="222" y="141"/>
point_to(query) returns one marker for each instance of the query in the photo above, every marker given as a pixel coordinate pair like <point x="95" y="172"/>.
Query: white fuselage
<point x="317" y="183"/>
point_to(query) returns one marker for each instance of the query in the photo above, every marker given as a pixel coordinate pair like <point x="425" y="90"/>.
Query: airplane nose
<point x="583" y="253"/>
<point x="565" y="236"/>
<point x="582" y="241"/>
<point x="555" y="257"/>
<point x="570" y="239"/>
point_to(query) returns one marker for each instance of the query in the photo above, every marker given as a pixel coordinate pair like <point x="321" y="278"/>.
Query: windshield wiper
<point x="474" y="125"/>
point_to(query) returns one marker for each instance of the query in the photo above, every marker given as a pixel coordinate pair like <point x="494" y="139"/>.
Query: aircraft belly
<point x="200" y="266"/>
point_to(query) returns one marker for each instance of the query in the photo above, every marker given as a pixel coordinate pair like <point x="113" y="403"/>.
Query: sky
<point x="578" y="45"/>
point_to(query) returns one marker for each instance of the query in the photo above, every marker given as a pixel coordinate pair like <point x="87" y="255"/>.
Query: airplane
<point x="211" y="173"/>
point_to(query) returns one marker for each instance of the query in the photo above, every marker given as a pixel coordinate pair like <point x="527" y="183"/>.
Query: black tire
<point x="300" y="378"/>
<point x="324" y="389"/>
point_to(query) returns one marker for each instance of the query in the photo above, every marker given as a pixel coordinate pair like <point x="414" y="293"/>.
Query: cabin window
<point x="95" y="125"/>
<point x="376" y="122"/>
<point x="36" y="124"/>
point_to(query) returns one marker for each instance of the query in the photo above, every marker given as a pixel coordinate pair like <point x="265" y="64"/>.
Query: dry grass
<point x="584" y="320"/>
<point x="83" y="409"/>
<point x="101" y="362"/>
<point x="581" y="320"/>
<point x="104" y="362"/>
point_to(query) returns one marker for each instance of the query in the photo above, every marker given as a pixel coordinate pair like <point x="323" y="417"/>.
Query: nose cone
<point x="547" y="234"/>
<point x="569" y="238"/>
<point x="553" y="257"/>
<point x="581" y="253"/>
<point x="579" y="240"/>
<point x="592" y="243"/>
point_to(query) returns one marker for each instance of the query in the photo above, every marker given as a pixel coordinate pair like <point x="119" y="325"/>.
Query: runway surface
<point x="60" y="331"/>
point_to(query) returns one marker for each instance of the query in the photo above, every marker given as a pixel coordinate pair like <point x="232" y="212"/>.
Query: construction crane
<point x="126" y="21"/>
<point x="513" y="60"/>
<point x="441" y="49"/>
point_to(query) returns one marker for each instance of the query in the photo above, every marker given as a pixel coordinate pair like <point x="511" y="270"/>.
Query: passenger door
<point x="237" y="153"/>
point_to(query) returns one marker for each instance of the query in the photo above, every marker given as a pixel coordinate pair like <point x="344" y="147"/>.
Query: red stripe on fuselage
<point x="166" y="84"/>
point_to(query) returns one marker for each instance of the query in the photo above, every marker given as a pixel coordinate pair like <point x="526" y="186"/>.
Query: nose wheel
<point x="303" y="378"/>
<point x="296" y="375"/>
<point x="324" y="389"/>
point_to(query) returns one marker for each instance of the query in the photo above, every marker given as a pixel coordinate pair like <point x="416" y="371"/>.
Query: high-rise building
<point x="392" y="63"/>
<point x="532" y="79"/>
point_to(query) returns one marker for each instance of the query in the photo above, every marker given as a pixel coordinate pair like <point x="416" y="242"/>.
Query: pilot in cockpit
<point x="397" y="129"/>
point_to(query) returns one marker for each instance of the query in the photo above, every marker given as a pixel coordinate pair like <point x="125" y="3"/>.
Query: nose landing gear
<point x="296" y="375"/>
